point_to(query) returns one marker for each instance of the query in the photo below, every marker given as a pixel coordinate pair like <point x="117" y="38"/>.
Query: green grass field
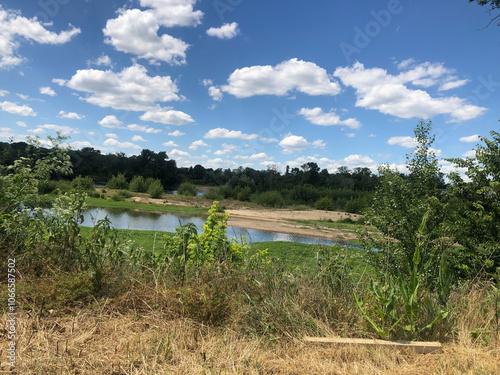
<point x="108" y="203"/>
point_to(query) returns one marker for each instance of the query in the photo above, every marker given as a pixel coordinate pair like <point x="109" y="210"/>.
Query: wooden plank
<point x="420" y="347"/>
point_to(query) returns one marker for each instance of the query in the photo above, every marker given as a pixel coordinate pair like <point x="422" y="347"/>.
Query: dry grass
<point x="144" y="332"/>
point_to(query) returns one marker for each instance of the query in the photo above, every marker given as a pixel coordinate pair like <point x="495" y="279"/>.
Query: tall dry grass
<point x="235" y="323"/>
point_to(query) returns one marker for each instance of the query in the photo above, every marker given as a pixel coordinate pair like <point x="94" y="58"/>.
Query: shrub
<point x="82" y="183"/>
<point x="244" y="194"/>
<point x="46" y="187"/>
<point x="117" y="182"/>
<point x="213" y="194"/>
<point x="270" y="199"/>
<point x="155" y="189"/>
<point x="324" y="204"/>
<point x="117" y="197"/>
<point x="138" y="184"/>
<point x="187" y="188"/>
<point x="125" y="193"/>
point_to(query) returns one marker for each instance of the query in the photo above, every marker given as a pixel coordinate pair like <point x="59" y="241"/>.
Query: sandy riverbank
<point x="273" y="220"/>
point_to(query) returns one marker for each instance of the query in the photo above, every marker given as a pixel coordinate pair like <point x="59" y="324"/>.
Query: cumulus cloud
<point x="63" y="129"/>
<point x="471" y="138"/>
<point x="226" y="31"/>
<point x="292" y="75"/>
<point x="131" y="89"/>
<point x="14" y="27"/>
<point x="222" y="133"/>
<point x="172" y="13"/>
<point x="143" y="128"/>
<point x="101" y="60"/>
<point x="3" y="92"/>
<point x="114" y="144"/>
<point x="70" y="115"/>
<point x="170" y="144"/>
<point x="178" y="153"/>
<point x="376" y="89"/>
<point x="111" y="135"/>
<point x="469" y="154"/>
<point x="215" y="93"/>
<point x="294" y="143"/>
<point x="316" y="116"/>
<point x="138" y="138"/>
<point x="136" y="32"/>
<point x="47" y="91"/>
<point x="22" y="110"/>
<point x="21" y="124"/>
<point x="176" y="133"/>
<point x="196" y="144"/>
<point x="168" y="117"/>
<point x="110" y="121"/>
<point x="409" y="142"/>
<point x="351" y="161"/>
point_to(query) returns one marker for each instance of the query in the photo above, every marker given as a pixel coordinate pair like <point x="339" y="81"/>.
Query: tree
<point x="493" y="6"/>
<point x="475" y="222"/>
<point x="400" y="203"/>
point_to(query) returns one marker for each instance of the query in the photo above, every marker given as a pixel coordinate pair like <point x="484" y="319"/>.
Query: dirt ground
<point x="273" y="220"/>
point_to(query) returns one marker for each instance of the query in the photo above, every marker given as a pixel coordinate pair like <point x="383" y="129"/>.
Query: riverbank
<point x="307" y="222"/>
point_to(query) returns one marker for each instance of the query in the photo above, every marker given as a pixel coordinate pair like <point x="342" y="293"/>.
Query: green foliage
<point x="270" y="199"/>
<point x="187" y="188"/>
<point x="138" y="185"/>
<point x="82" y="183"/>
<point x="155" y="189"/>
<point x="475" y="210"/>
<point x="324" y="203"/>
<point x="244" y="194"/>
<point x="117" y="182"/>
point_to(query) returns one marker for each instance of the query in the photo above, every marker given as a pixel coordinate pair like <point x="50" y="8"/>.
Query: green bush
<point x="82" y="183"/>
<point x="187" y="188"/>
<point x="46" y="187"/>
<point x="213" y="194"/>
<point x="155" y="189"/>
<point x="117" y="182"/>
<point x="117" y="197"/>
<point x="125" y="193"/>
<point x="270" y="199"/>
<point x="324" y="204"/>
<point x="138" y="184"/>
<point x="244" y="194"/>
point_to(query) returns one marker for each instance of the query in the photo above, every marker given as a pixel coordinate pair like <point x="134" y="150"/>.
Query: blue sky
<point x="228" y="83"/>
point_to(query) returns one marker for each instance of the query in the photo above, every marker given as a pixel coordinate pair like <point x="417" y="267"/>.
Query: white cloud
<point x="269" y="140"/>
<point x="293" y="143"/>
<point x="138" y="138"/>
<point x="471" y="138"/>
<point x="78" y="145"/>
<point x="408" y="142"/>
<point x="260" y="156"/>
<point x="294" y="74"/>
<point x="113" y="143"/>
<point x="319" y="144"/>
<point x="131" y="89"/>
<point x="318" y="117"/>
<point x="469" y="154"/>
<point x="47" y="91"/>
<point x="36" y="131"/>
<point x="222" y="152"/>
<point x="93" y="134"/>
<point x="170" y="144"/>
<point x="63" y="129"/>
<point x="350" y="135"/>
<point x="222" y="133"/>
<point x="13" y="26"/>
<point x="143" y="128"/>
<point x="426" y="74"/>
<point x="111" y="135"/>
<point x="215" y="93"/>
<point x="172" y="13"/>
<point x="21" y="124"/>
<point x="101" y="60"/>
<point x="70" y="115"/>
<point x="453" y="84"/>
<point x="207" y="82"/>
<point x="22" y="110"/>
<point x="136" y="32"/>
<point x="196" y="144"/>
<point x="3" y="92"/>
<point x="178" y="153"/>
<point x="59" y="81"/>
<point x="226" y="31"/>
<point x="168" y="117"/>
<point x="376" y="89"/>
<point x="176" y="133"/>
<point x="110" y="121"/>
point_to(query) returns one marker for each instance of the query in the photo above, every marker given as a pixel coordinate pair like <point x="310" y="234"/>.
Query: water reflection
<point x="167" y="222"/>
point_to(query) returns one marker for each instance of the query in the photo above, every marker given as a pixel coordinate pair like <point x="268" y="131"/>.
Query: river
<point x="166" y="222"/>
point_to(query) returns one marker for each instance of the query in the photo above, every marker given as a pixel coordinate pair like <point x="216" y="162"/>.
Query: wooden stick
<point x="420" y="347"/>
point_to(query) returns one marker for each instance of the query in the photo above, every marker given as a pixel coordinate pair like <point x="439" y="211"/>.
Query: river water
<point x="167" y="222"/>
